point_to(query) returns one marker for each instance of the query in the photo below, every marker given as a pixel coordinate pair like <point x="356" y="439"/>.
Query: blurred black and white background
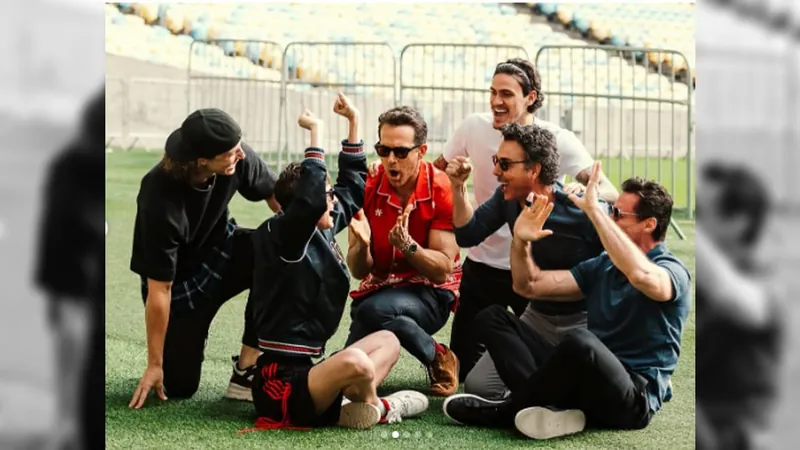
<point x="51" y="184"/>
<point x="748" y="220"/>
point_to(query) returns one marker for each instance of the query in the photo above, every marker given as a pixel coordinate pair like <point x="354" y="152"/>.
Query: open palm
<point x="359" y="228"/>
<point x="528" y="226"/>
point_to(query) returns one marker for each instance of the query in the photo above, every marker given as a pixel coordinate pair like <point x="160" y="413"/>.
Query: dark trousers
<point x="413" y="313"/>
<point x="481" y="286"/>
<point x="187" y="332"/>
<point x="578" y="373"/>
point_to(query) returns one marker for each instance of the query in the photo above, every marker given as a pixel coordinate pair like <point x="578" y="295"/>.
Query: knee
<point x="577" y="340"/>
<point x="357" y="365"/>
<point x="488" y="317"/>
<point x="367" y="313"/>
<point x="490" y="314"/>
<point x="180" y="387"/>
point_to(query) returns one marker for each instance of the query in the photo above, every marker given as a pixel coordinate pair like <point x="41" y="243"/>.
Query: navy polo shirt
<point x="645" y="335"/>
<point x="573" y="241"/>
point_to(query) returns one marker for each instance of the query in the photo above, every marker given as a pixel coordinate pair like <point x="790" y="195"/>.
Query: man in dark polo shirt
<point x="616" y="372"/>
<point x="191" y="256"/>
<point x="526" y="161"/>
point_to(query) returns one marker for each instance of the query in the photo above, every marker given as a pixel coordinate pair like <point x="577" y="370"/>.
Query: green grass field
<point x="209" y="421"/>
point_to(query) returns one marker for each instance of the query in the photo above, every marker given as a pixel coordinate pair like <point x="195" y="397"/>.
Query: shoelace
<point x="394" y="416"/>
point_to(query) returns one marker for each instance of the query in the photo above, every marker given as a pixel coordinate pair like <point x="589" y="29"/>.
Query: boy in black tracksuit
<point x="301" y="284"/>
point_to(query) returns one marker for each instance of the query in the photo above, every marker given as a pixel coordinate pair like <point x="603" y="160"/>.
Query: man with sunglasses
<point x="404" y="250"/>
<point x="616" y="373"/>
<point x="526" y="161"/>
<point x="515" y="96"/>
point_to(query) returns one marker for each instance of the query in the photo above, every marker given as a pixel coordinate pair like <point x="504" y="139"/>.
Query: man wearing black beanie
<point x="191" y="257"/>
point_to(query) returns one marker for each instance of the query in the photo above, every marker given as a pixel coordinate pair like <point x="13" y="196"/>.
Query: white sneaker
<point x="404" y="404"/>
<point x="359" y="415"/>
<point x="545" y="423"/>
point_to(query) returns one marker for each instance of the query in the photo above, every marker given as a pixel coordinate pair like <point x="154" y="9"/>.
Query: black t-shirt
<point x="177" y="225"/>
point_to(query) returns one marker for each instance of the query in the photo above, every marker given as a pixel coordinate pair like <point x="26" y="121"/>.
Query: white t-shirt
<point x="478" y="140"/>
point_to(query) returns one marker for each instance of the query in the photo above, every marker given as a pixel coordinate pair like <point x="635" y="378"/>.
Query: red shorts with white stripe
<point x="281" y="396"/>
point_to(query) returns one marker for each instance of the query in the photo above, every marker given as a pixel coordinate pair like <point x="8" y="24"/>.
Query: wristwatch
<point x="410" y="248"/>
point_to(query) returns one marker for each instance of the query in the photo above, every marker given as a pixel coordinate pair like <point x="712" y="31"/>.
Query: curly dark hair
<point x="284" y="187"/>
<point x="405" y="115"/>
<point x="527" y="75"/>
<point x="654" y="201"/>
<point x="743" y="194"/>
<point x="539" y="146"/>
<point x="179" y="170"/>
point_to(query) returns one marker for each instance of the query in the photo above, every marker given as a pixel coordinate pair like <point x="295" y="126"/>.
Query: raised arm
<point x="480" y="223"/>
<point x="352" y="177"/>
<point x="646" y="276"/>
<point x="295" y="227"/>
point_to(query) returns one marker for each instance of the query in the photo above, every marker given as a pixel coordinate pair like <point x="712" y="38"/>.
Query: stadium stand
<point x="163" y="34"/>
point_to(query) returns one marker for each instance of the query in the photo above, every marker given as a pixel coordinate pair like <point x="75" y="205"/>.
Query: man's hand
<point x="372" y="170"/>
<point x="574" y="188"/>
<point x="398" y="235"/>
<point x="458" y="170"/>
<point x="528" y="226"/>
<point x="344" y="108"/>
<point x="359" y="229"/>
<point x="153" y="378"/>
<point x="589" y="201"/>
<point x="308" y="121"/>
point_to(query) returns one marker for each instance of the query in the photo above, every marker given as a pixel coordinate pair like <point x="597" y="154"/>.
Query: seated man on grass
<point x="403" y="250"/>
<point x="526" y="162"/>
<point x="616" y="373"/>
<point x="299" y="294"/>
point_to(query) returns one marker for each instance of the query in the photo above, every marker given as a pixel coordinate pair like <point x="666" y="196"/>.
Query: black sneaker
<point x="547" y="423"/>
<point x="469" y="409"/>
<point x="239" y="388"/>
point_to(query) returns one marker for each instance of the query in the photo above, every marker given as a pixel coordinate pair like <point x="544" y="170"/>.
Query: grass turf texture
<point x="209" y="421"/>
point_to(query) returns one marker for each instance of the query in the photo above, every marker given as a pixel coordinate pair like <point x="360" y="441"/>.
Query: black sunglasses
<point x="617" y="214"/>
<point x="504" y="163"/>
<point x="399" y="152"/>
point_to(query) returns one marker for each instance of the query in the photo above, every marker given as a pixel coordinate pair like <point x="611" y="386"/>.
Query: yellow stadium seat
<point x="174" y="20"/>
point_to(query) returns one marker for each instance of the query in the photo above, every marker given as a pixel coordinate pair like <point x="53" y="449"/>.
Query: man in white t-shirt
<point x="515" y="95"/>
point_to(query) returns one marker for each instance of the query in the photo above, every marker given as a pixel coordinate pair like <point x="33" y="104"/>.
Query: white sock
<point x="382" y="407"/>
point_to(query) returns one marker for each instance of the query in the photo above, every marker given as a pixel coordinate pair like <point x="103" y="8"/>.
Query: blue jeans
<point x="413" y="313"/>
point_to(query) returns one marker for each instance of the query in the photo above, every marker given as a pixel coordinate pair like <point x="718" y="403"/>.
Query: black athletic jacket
<point x="300" y="279"/>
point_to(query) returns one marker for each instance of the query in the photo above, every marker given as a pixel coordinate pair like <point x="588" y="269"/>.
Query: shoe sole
<point x="238" y="392"/>
<point x="359" y="416"/>
<point x="447" y="400"/>
<point x="542" y="423"/>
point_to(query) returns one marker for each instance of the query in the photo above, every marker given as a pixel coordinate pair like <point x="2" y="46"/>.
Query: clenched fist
<point x="458" y="170"/>
<point x="344" y="108"/>
<point x="307" y="120"/>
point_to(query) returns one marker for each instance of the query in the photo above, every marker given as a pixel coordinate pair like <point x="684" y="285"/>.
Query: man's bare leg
<point x="357" y="371"/>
